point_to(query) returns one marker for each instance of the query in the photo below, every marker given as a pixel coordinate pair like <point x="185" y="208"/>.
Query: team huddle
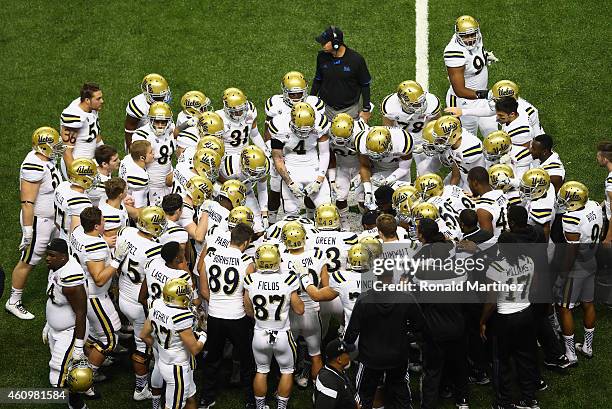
<point x="180" y="244"/>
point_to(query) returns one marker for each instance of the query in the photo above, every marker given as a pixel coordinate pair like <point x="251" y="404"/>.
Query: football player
<point x="295" y="89"/>
<point x="38" y="179"/>
<point x="115" y="213"/>
<point x="298" y="260"/>
<point x="91" y="251"/>
<point x="172" y="205"/>
<point x="497" y="148"/>
<point x="547" y="159"/>
<point x="205" y="162"/>
<point x="516" y="125"/>
<point x="133" y="170"/>
<point x="221" y="284"/>
<point x="403" y="200"/>
<point x="199" y="190"/>
<point x="300" y="149"/>
<point x="410" y="108"/>
<point x="344" y="162"/>
<point x="491" y="204"/>
<point x="582" y="223"/>
<point x="80" y="126"/>
<point x="426" y="210"/>
<point x="159" y="133"/>
<point x="385" y="156"/>
<point x="240" y="119"/>
<point x="456" y="145"/>
<point x="66" y="313"/>
<point x="466" y="63"/>
<point x="251" y="167"/>
<point x="71" y="195"/>
<point x="231" y="194"/>
<point x="273" y="234"/>
<point x="502" y="177"/>
<point x="107" y="159"/>
<point x="538" y="197"/>
<point x="210" y="131"/>
<point x="604" y="159"/>
<point x="401" y="247"/>
<point x="220" y="236"/>
<point x="193" y="104"/>
<point x="501" y="89"/>
<point x="270" y="295"/>
<point x="154" y="88"/>
<point x="142" y="244"/>
<point x="169" y="328"/>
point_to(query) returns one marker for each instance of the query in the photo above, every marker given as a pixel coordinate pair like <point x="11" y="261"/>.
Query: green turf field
<point x="555" y="50"/>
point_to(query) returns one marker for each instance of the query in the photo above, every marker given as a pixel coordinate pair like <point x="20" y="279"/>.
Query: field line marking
<point x="422" y="43"/>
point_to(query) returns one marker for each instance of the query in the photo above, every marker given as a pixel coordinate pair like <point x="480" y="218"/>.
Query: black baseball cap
<point x="328" y="35"/>
<point x="58" y="245"/>
<point x="369" y="217"/>
<point x="338" y="347"/>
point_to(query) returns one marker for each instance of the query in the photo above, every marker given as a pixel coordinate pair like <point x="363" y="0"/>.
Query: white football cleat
<point x="145" y="393"/>
<point x="18" y="310"/>
<point x="580" y="348"/>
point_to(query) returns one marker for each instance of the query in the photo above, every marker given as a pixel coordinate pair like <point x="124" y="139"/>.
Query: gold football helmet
<point x="412" y="97"/>
<point x="152" y="220"/>
<point x="429" y="147"/>
<point x="405" y="194"/>
<point x="446" y="132"/>
<point x="199" y="188"/>
<point x="83" y="172"/>
<point x="295" y="88"/>
<point x="534" y="184"/>
<point x="210" y="123"/>
<point x="500" y="175"/>
<point x="495" y="145"/>
<point x="267" y="258"/>
<point x="425" y="211"/>
<point x="235" y="104"/>
<point x="373" y="245"/>
<point x="293" y="235"/>
<point x="302" y="121"/>
<point x="572" y="196"/>
<point x="211" y="142"/>
<point x="206" y="162"/>
<point x="155" y="88"/>
<point x="177" y="293"/>
<point x="254" y="163"/>
<point x="240" y="214"/>
<point x="235" y="191"/>
<point x="160" y="117"/>
<point x="341" y="131"/>
<point x="80" y="376"/>
<point x="358" y="257"/>
<point x="47" y="142"/>
<point x="195" y="102"/>
<point x="467" y="31"/>
<point x="429" y="184"/>
<point x="504" y="88"/>
<point x="378" y="142"/>
<point x="327" y="217"/>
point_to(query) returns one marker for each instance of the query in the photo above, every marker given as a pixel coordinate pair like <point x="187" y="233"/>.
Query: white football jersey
<point x="188" y="137"/>
<point x="412" y="123"/>
<point x="98" y="195"/>
<point x="36" y="170"/>
<point x="514" y="197"/>
<point x="335" y="246"/>
<point x="607" y="190"/>
<point x="476" y="73"/>
<point x="520" y="160"/>
<point x="226" y="269"/>
<point x="519" y="130"/>
<point x="450" y="204"/>
<point x="59" y="312"/>
<point x="217" y="237"/>
<point x="496" y="203"/>
<point x="217" y="214"/>
<point x="174" y="232"/>
<point x="533" y="115"/>
<point x="68" y="203"/>
<point x="276" y="105"/>
<point x="270" y="294"/>
<point x="273" y="234"/>
<point x="138" y="108"/>
<point x="84" y="248"/>
<point x="189" y="215"/>
<point x="88" y="126"/>
<point x="180" y="176"/>
<point x="298" y="152"/>
<point x="163" y="148"/>
<point x="167" y="323"/>
<point x="158" y="274"/>
<point x="552" y="165"/>
<point x="401" y="145"/>
<point x="232" y="169"/>
<point x="346" y="156"/>
<point x="349" y="285"/>
<point x="187" y="156"/>
<point x="310" y="261"/>
<point x="236" y="134"/>
<point x="587" y="222"/>
<point x="542" y="210"/>
<point x="520" y="276"/>
<point x="469" y="153"/>
<point x="114" y="219"/>
<point x="137" y="180"/>
<point x="141" y="250"/>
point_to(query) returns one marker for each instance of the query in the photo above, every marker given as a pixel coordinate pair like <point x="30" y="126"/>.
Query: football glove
<point x="333" y="191"/>
<point x="377" y="179"/>
<point x="187" y="124"/>
<point x="27" y="233"/>
<point x="297" y="190"/>
<point x="78" y="354"/>
<point x="447" y="158"/>
<point x="369" y="201"/>
<point x="505" y="159"/>
<point x="306" y="280"/>
<point x="355" y="181"/>
<point x="45" y="334"/>
<point x="418" y="149"/>
<point x="201" y="336"/>
<point x="265" y="221"/>
<point x="490" y="57"/>
<point x="121" y="251"/>
<point x="313" y="187"/>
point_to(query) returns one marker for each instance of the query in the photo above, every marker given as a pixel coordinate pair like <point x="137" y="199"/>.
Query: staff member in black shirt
<point x="342" y="79"/>
<point x="333" y="390"/>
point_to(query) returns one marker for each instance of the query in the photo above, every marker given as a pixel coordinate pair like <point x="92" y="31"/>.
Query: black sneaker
<point x="479" y="378"/>
<point x="206" y="404"/>
<point x="527" y="404"/>
<point x="542" y="386"/>
<point x="462" y="404"/>
<point x="509" y="406"/>
<point x="561" y="362"/>
<point x="446" y="392"/>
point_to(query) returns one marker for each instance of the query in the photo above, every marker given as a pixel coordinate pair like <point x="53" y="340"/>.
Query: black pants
<point x="551" y="345"/>
<point x="395" y="386"/>
<point x="476" y="348"/>
<point x="240" y="334"/>
<point x="440" y="356"/>
<point x="514" y="338"/>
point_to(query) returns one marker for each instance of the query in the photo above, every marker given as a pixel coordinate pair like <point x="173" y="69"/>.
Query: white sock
<point x="272" y="216"/>
<point x="260" y="402"/>
<point x="282" y="402"/>
<point x="141" y="382"/>
<point x="570" y="348"/>
<point x="344" y="218"/>
<point x="155" y="401"/>
<point x="588" y="339"/>
<point x="15" y="295"/>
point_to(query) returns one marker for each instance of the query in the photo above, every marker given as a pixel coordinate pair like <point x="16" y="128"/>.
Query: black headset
<point x="335" y="42"/>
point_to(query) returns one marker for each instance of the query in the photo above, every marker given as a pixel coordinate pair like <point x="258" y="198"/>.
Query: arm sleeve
<point x="365" y="96"/>
<point x="323" y="156"/>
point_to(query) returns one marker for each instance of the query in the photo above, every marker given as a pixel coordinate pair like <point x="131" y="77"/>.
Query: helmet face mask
<point x="254" y="163"/>
<point x="495" y="145"/>
<point x="341" y="131"/>
<point x="156" y="89"/>
<point x="295" y="88"/>
<point x="572" y="196"/>
<point x="302" y="122"/>
<point x="446" y="132"/>
<point x="500" y="177"/>
<point x="235" y="104"/>
<point x="206" y="162"/>
<point x="47" y="142"/>
<point x="413" y="107"/>
<point x="428" y="185"/>
<point x="467" y="32"/>
<point x="534" y="184"/>
<point x="210" y="124"/>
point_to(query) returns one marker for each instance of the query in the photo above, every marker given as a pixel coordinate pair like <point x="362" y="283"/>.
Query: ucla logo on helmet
<point x="506" y="92"/>
<point x="572" y="196"/>
<point x="182" y="290"/>
<point x="84" y="170"/>
<point x="193" y="103"/>
<point x="156" y="218"/>
<point x="45" y="139"/>
<point x="449" y="127"/>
